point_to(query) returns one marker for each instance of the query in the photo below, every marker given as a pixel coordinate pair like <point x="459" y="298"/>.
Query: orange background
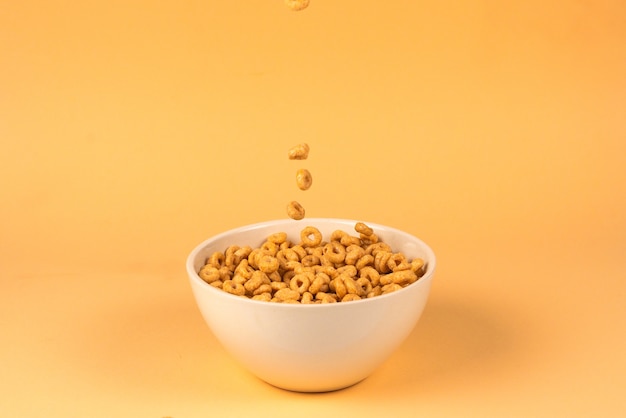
<point x="133" y="130"/>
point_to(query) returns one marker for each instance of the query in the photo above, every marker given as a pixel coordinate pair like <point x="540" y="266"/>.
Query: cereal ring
<point x="209" y="273"/>
<point x="239" y="279"/>
<point x="392" y="287"/>
<point x="304" y="180"/>
<point x="304" y="269"/>
<point x="257" y="279"/>
<point x="350" y="297"/>
<point x="368" y="239"/>
<point x="225" y="273"/>
<point x="234" y="288"/>
<point x="253" y="257"/>
<point x="299" y="249"/>
<point x="292" y="265"/>
<point x="275" y="277"/>
<point x="401" y="277"/>
<point x="308" y="271"/>
<point x="276" y="286"/>
<point x="380" y="261"/>
<point x="287" y="294"/>
<point x="297" y="5"/>
<point x="295" y="211"/>
<point x="376" y="291"/>
<point x="316" y="251"/>
<point x="326" y="297"/>
<point x="217" y="283"/>
<point x="277" y="238"/>
<point x="300" y="151"/>
<point x="335" y="252"/>
<point x="348" y="270"/>
<point x="285" y="255"/>
<point x="320" y="283"/>
<point x="376" y="247"/>
<point x="268" y="264"/>
<point x="338" y="286"/>
<point x="265" y="297"/>
<point x="229" y="254"/>
<point x="361" y="228"/>
<point x="310" y="260"/>
<point x="353" y="254"/>
<point x="264" y="288"/>
<point x="216" y="259"/>
<point x="417" y="265"/>
<point x="307" y="297"/>
<point x="288" y="275"/>
<point x="244" y="269"/>
<point x="269" y="247"/>
<point x="397" y="261"/>
<point x="242" y="253"/>
<point x="330" y="271"/>
<point x="371" y="274"/>
<point x="337" y="235"/>
<point x="310" y="237"/>
<point x="364" y="261"/>
<point x="348" y="240"/>
<point x="351" y="285"/>
<point x="364" y="285"/>
<point x="300" y="282"/>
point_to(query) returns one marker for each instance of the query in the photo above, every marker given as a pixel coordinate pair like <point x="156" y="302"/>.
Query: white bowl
<point x="310" y="348"/>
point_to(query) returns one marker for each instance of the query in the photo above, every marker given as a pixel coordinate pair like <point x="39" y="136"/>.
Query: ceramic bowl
<point x="310" y="348"/>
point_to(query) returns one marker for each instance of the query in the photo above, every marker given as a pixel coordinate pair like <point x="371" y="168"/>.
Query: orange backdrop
<point x="133" y="130"/>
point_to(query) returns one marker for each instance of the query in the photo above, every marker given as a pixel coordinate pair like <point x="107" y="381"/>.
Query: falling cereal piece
<point x="299" y="152"/>
<point x="303" y="179"/>
<point x="297" y="5"/>
<point x="295" y="211"/>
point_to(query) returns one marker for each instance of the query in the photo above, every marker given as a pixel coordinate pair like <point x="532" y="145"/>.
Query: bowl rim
<point x="194" y="277"/>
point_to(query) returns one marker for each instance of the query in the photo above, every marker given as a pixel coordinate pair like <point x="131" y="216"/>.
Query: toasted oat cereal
<point x="312" y="271"/>
<point x="304" y="180"/>
<point x="295" y="211"/>
<point x="297" y="5"/>
<point x="299" y="152"/>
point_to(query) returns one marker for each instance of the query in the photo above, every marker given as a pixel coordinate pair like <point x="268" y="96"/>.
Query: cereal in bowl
<point x="312" y="271"/>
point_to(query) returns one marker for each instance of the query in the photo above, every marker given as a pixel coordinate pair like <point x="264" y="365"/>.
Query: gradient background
<point x="132" y="130"/>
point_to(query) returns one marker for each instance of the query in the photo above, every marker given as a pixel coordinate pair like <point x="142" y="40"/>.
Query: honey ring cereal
<point x="361" y="228"/>
<point x="209" y="273"/>
<point x="216" y="259"/>
<point x="278" y="238"/>
<point x="350" y="297"/>
<point x="300" y="282"/>
<point x="264" y="288"/>
<point x="295" y="211"/>
<point x="310" y="236"/>
<point x="304" y="180"/>
<point x="310" y="261"/>
<point x="312" y="271"/>
<point x="300" y="151"/>
<point x="335" y="252"/>
<point x="234" y="288"/>
<point x="268" y="264"/>
<point x="297" y="5"/>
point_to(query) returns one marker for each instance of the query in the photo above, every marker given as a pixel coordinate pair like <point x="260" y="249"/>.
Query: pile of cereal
<point x="345" y="268"/>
